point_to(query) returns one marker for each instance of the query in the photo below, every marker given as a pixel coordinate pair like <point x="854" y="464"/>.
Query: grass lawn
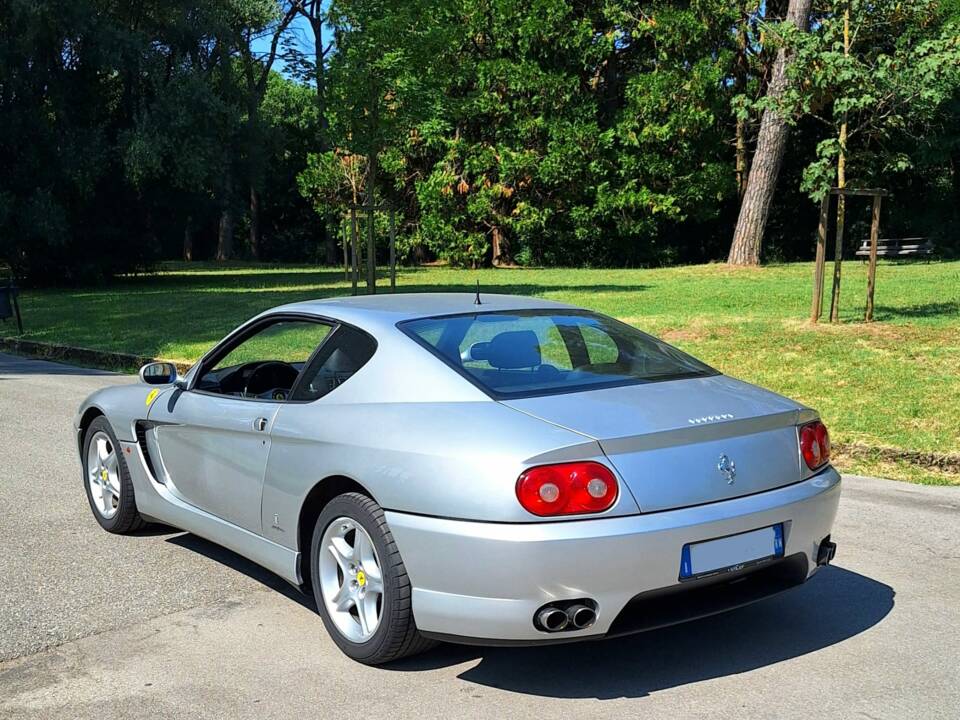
<point x="890" y="385"/>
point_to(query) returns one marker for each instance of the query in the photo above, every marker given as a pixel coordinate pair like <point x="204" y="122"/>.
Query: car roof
<point x="386" y="310"/>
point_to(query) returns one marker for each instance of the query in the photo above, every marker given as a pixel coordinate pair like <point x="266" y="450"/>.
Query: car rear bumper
<point x="483" y="582"/>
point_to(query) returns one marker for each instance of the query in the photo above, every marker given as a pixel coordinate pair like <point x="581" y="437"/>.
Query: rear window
<point x="542" y="352"/>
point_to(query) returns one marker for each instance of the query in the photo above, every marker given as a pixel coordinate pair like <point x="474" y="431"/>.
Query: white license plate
<point x="730" y="553"/>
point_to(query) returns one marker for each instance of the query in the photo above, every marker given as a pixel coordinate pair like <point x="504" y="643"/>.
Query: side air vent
<point x="142" y="427"/>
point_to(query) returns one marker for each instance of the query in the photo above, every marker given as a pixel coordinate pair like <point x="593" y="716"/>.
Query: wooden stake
<point x="837" y="260"/>
<point x="872" y="271"/>
<point x="346" y="255"/>
<point x="371" y="252"/>
<point x="393" y="250"/>
<point x="841" y="183"/>
<point x="818" y="269"/>
<point x="371" y="226"/>
<point x="354" y="247"/>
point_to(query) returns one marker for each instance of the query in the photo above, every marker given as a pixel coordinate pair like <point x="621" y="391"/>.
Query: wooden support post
<point x="872" y="271"/>
<point x="837" y="260"/>
<point x="393" y="250"/>
<point x="345" y="239"/>
<point x="354" y="248"/>
<point x="818" y="269"/>
<point x="16" y="310"/>
<point x="371" y="250"/>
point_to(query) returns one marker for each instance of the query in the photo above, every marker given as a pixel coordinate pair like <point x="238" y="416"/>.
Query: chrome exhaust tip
<point x="552" y="619"/>
<point x="581" y="616"/>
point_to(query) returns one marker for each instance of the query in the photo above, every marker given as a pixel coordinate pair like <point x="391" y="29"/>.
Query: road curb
<point x="81" y="356"/>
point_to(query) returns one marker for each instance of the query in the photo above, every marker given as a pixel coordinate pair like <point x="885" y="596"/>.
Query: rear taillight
<point x="815" y="444"/>
<point x="567" y="489"/>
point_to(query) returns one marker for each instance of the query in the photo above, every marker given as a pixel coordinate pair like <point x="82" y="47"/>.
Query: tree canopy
<point x="555" y="132"/>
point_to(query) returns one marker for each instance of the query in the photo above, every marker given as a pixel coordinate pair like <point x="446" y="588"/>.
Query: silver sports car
<point x="491" y="470"/>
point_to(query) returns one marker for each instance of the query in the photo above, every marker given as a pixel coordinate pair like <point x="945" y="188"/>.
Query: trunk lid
<point x="667" y="439"/>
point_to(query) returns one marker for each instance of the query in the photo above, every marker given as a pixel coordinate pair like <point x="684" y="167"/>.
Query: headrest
<point x="515" y="349"/>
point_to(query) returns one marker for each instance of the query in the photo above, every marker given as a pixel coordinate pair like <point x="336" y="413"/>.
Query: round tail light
<point x="815" y="444"/>
<point x="567" y="489"/>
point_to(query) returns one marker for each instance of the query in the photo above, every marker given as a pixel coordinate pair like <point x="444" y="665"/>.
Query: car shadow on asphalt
<point x="242" y="565"/>
<point x="835" y="605"/>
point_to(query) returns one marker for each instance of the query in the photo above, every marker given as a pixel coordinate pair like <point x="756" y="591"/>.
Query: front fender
<point x="123" y="406"/>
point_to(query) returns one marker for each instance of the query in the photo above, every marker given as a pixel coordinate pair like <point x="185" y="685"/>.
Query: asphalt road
<point x="164" y="624"/>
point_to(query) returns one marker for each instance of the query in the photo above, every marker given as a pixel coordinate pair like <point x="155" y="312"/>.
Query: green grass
<point x="894" y="383"/>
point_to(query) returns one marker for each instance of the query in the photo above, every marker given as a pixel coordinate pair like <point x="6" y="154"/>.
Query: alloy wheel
<point x="103" y="474"/>
<point x="351" y="581"/>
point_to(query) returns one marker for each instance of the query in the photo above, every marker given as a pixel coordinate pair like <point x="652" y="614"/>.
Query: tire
<point x="118" y="513"/>
<point x="396" y="635"/>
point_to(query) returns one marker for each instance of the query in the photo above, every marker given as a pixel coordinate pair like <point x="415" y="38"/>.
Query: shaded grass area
<point x="894" y="383"/>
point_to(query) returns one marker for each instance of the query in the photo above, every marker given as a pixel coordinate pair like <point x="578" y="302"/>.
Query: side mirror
<point x="159" y="373"/>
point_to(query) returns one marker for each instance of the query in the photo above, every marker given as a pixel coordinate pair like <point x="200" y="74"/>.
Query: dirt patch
<point x="855" y="329"/>
<point x="944" y="462"/>
<point x="697" y="329"/>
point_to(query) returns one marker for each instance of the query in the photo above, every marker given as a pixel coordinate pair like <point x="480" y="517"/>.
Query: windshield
<point x="542" y="352"/>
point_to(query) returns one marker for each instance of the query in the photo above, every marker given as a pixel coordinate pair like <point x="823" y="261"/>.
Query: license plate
<point x="731" y="553"/>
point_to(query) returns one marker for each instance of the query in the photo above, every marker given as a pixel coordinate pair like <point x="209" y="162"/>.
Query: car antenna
<point x="477" y="300"/>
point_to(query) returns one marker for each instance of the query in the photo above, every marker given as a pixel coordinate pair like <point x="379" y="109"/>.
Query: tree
<point x="874" y="91"/>
<point x="771" y="146"/>
<point x="596" y="132"/>
<point x="870" y="88"/>
<point x="575" y="133"/>
<point x="385" y="72"/>
<point x="256" y="19"/>
<point x="314" y="69"/>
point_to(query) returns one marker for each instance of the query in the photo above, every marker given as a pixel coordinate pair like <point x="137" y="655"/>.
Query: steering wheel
<point x="273" y="375"/>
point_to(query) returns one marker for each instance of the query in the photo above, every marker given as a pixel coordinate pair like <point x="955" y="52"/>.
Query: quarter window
<point x="344" y="353"/>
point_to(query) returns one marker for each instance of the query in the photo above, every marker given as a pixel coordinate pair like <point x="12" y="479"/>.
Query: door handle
<point x="260" y="424"/>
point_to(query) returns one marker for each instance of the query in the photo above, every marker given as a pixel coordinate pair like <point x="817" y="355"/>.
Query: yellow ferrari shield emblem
<point x="361" y="578"/>
<point x="151" y="396"/>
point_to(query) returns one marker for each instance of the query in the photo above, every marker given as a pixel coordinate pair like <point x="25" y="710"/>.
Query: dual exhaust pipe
<point x="572" y="616"/>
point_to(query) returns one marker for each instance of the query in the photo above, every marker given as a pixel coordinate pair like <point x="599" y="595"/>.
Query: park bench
<point x="898" y="248"/>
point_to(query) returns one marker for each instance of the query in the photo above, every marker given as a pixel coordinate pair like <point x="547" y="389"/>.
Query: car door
<point x="213" y="441"/>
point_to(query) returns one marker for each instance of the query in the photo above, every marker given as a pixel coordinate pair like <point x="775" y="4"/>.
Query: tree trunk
<point x="741" y="167"/>
<point x="495" y="242"/>
<point x="254" y="223"/>
<point x="188" y="240"/>
<point x="393" y="250"/>
<point x="328" y="238"/>
<point x="771" y="144"/>
<point x="741" y="70"/>
<point x="354" y="247"/>
<point x="225" y="235"/>
<point x="225" y="231"/>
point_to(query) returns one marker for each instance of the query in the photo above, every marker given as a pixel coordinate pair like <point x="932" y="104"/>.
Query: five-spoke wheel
<point x="350" y="579"/>
<point x="106" y="479"/>
<point x="103" y="474"/>
<point x="360" y="583"/>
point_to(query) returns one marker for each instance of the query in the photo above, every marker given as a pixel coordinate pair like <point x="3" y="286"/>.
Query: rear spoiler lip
<point x="672" y="437"/>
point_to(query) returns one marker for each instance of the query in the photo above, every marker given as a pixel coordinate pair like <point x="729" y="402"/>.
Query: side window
<point x="288" y="341"/>
<point x="342" y="355"/>
<point x="266" y="364"/>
